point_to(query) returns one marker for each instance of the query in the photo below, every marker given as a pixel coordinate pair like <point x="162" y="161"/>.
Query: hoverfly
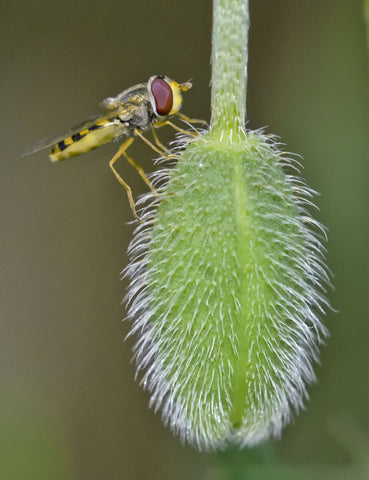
<point x="136" y="109"/>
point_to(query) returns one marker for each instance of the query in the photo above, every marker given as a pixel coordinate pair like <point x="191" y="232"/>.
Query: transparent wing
<point x="123" y="112"/>
<point x="134" y="95"/>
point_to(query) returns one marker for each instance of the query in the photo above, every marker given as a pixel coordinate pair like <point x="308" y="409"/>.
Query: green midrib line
<point x="239" y="386"/>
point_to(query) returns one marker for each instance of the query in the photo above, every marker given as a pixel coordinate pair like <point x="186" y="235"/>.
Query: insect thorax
<point x="141" y="118"/>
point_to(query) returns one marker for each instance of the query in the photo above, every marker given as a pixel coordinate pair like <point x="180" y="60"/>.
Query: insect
<point x="137" y="109"/>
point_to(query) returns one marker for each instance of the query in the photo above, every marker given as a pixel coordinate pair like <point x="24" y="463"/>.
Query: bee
<point x="137" y="109"/>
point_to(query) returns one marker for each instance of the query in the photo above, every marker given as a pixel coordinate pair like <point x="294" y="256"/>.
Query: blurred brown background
<point x="69" y="405"/>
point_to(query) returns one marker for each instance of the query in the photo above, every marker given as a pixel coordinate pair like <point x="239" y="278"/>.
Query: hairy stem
<point x="229" y="64"/>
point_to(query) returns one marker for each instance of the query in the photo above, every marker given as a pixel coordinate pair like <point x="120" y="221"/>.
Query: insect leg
<point x="185" y="132"/>
<point x="140" y="172"/>
<point x="120" y="152"/>
<point x="192" y="120"/>
<point x="151" y="145"/>
<point x="157" y="141"/>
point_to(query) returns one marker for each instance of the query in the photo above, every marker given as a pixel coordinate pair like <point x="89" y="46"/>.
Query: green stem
<point x="229" y="64"/>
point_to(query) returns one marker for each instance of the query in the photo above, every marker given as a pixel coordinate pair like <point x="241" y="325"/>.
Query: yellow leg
<point x="186" y="132"/>
<point x="192" y="120"/>
<point x="140" y="172"/>
<point x="151" y="145"/>
<point x="157" y="141"/>
<point x="120" y="152"/>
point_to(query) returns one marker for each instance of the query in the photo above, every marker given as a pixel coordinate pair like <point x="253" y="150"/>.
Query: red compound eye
<point x="163" y="95"/>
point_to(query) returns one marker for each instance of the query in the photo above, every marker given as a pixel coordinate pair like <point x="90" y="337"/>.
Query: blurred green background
<point x="69" y="405"/>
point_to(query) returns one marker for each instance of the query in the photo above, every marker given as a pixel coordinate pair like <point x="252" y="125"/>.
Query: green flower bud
<point x="226" y="279"/>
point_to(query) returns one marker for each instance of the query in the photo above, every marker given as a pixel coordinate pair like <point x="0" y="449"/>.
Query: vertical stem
<point x="229" y="64"/>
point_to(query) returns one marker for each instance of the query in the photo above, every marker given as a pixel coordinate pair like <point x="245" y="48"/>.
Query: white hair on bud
<point x="277" y="385"/>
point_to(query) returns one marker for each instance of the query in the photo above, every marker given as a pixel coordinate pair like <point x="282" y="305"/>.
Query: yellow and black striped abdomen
<point x="87" y="139"/>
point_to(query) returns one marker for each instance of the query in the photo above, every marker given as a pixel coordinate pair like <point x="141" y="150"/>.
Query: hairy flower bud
<point x="227" y="277"/>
